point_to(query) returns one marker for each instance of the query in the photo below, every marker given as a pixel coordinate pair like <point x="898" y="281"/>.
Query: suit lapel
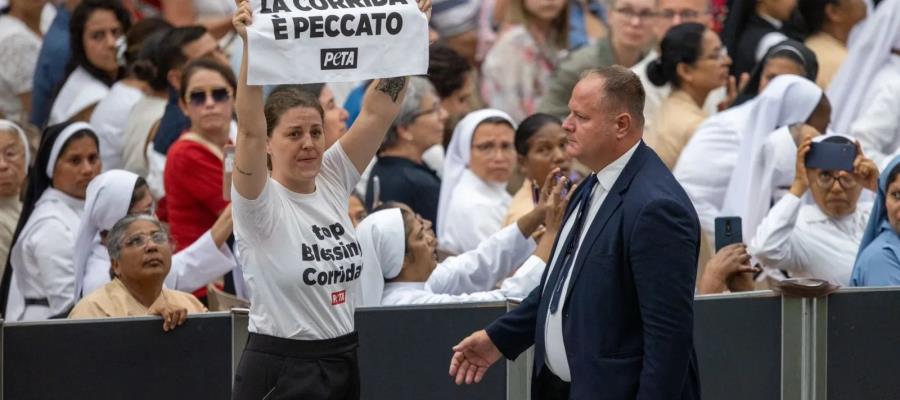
<point x="607" y="209"/>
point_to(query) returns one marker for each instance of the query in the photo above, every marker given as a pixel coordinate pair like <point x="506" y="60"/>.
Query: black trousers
<point x="550" y="387"/>
<point x="274" y="368"/>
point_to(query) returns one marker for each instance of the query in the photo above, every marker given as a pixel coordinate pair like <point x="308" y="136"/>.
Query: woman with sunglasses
<point x="141" y="251"/>
<point x="115" y="194"/>
<point x="194" y="166"/>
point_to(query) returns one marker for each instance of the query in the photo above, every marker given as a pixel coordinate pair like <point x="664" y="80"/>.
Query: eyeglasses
<point x="717" y="55"/>
<point x="684" y="15"/>
<point x="436" y="110"/>
<point x="198" y="98"/>
<point x="490" y="147"/>
<point x="826" y="179"/>
<point x="140" y="240"/>
<point x="11" y="155"/>
<point x="631" y="14"/>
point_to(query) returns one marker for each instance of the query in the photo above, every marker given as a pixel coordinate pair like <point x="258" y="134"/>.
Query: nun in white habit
<point x="17" y="156"/>
<point x="866" y="90"/>
<point x="112" y="196"/>
<point x="766" y="162"/>
<point x="707" y="163"/>
<point x="471" y="207"/>
<point x="38" y="282"/>
<point x="409" y="265"/>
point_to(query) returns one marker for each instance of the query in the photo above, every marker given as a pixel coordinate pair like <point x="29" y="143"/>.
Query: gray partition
<point x="864" y="344"/>
<point x="738" y="343"/>
<point x="118" y="358"/>
<point x="404" y="352"/>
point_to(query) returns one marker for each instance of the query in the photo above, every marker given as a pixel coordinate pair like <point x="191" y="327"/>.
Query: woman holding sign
<point x="295" y="238"/>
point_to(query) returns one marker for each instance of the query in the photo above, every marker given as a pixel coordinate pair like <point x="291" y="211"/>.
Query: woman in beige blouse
<point x="140" y="249"/>
<point x="694" y="61"/>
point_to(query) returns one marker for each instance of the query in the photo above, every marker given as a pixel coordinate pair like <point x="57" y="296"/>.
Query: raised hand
<point x="243" y="17"/>
<point x="472" y="357"/>
<point x="865" y="170"/>
<point x="801" y="182"/>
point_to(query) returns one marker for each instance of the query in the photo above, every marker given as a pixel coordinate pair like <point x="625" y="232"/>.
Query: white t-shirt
<point x="301" y="260"/>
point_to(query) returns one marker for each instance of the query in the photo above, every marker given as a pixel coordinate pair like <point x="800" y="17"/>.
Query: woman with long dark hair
<point x="95" y="28"/>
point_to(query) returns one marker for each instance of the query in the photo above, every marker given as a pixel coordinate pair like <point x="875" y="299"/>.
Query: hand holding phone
<point x="728" y="231"/>
<point x="831" y="156"/>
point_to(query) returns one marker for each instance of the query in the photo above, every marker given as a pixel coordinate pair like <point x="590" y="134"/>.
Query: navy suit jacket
<point x="628" y="317"/>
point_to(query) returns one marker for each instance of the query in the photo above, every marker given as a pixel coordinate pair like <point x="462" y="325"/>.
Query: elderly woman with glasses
<point x="818" y="240"/>
<point x="400" y="174"/>
<point x="140" y="249"/>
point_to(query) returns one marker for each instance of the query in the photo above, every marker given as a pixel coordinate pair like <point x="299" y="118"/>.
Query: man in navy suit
<point x="613" y="316"/>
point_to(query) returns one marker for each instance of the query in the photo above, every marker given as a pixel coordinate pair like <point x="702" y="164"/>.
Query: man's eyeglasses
<point x="631" y="14"/>
<point x="140" y="240"/>
<point x="198" y="98"/>
<point x="826" y="179"/>
<point x="683" y="15"/>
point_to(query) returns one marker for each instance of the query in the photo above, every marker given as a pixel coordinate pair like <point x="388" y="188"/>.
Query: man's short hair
<point x="622" y="91"/>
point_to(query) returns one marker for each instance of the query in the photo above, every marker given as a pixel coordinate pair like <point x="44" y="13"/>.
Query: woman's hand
<point x="173" y="316"/>
<point x="243" y="17"/>
<point x="425" y="7"/>
<point x="801" y="183"/>
<point x="864" y="170"/>
<point x="733" y="89"/>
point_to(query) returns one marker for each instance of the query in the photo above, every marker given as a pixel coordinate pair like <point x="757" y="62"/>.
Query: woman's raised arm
<point x="381" y="105"/>
<point x="250" y="167"/>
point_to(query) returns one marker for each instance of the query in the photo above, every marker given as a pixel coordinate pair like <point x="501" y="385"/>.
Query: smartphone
<point x="227" y="169"/>
<point x="728" y="232"/>
<point x="831" y="156"/>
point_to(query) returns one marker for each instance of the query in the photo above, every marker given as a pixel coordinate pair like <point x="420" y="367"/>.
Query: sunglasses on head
<point x="219" y="95"/>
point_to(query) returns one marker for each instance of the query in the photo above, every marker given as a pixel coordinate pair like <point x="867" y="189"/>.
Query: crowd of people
<point x="140" y="174"/>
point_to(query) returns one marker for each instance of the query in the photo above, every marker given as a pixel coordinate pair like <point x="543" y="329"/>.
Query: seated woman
<point x="39" y="279"/>
<point x="16" y="156"/>
<point x="115" y="194"/>
<point x="818" y="240"/>
<point x="194" y="166"/>
<point x="479" y="163"/>
<point x="140" y="248"/>
<point x="541" y="147"/>
<point x="95" y="27"/>
<point x="878" y="262"/>
<point x="789" y="57"/>
<point x="694" y="61"/>
<point x="403" y="245"/>
<point x="518" y="68"/>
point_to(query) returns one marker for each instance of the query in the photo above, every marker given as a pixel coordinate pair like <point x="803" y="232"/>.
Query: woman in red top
<point x="194" y="166"/>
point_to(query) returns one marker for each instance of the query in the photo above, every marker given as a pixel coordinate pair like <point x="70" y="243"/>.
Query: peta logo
<point x="339" y="58"/>
<point x="338" y="297"/>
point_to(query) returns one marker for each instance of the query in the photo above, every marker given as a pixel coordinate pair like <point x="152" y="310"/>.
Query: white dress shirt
<point x="554" y="344"/>
<point x="801" y="239"/>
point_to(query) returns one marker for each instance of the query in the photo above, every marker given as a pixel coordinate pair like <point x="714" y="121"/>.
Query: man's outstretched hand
<point x="472" y="357"/>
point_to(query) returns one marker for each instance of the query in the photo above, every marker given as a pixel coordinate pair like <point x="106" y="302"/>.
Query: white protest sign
<point x="311" y="41"/>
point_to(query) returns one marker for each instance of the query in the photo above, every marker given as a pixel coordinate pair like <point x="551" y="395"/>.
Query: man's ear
<point x="624" y="122"/>
<point x="404" y="133"/>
